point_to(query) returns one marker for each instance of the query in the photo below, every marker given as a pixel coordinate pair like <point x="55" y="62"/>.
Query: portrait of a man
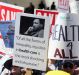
<point x="32" y="26"/>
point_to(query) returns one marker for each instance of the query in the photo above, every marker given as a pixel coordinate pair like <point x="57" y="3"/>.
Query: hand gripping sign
<point x="64" y="42"/>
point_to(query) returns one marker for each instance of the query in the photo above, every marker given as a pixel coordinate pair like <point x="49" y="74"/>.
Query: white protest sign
<point x="31" y="41"/>
<point x="74" y="6"/>
<point x="63" y="5"/>
<point x="64" y="42"/>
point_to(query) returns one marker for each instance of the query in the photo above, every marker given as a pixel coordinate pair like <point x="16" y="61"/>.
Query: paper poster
<point x="31" y="41"/>
<point x="64" y="42"/>
<point x="63" y="6"/>
<point x="8" y="11"/>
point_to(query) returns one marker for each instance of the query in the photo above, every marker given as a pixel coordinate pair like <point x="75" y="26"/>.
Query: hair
<point x="42" y="22"/>
<point x="68" y="64"/>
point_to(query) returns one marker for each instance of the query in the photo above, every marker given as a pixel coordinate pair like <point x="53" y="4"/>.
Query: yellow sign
<point x="57" y="72"/>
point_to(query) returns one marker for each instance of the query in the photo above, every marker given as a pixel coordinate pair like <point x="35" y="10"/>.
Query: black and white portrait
<point x="31" y="26"/>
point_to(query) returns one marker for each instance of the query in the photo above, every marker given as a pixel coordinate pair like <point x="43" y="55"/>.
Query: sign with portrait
<point x="31" y="41"/>
<point x="64" y="42"/>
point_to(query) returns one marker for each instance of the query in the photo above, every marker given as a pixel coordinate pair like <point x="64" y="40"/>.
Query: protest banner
<point x="63" y="5"/>
<point x="31" y="41"/>
<point x="8" y="11"/>
<point x="7" y="29"/>
<point x="64" y="42"/>
<point x="52" y="14"/>
<point x="74" y="6"/>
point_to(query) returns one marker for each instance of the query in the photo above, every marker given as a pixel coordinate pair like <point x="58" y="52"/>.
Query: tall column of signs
<point x="7" y="27"/>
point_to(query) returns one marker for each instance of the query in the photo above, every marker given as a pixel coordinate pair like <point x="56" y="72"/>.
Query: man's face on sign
<point x="36" y="23"/>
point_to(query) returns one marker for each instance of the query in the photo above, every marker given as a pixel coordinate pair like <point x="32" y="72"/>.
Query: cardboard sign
<point x="63" y="5"/>
<point x="52" y="14"/>
<point x="74" y="6"/>
<point x="8" y="11"/>
<point x="31" y="41"/>
<point x="64" y="42"/>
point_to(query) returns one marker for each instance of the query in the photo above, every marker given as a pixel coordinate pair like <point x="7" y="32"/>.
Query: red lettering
<point x="57" y="53"/>
<point x="8" y="13"/>
<point x="13" y="15"/>
<point x="63" y="53"/>
<point x="2" y="17"/>
<point x="53" y="14"/>
<point x="39" y="13"/>
<point x="71" y="56"/>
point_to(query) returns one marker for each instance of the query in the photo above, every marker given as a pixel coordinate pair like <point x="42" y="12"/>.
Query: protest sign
<point x="52" y="14"/>
<point x="8" y="11"/>
<point x="7" y="29"/>
<point x="31" y="41"/>
<point x="64" y="42"/>
<point x="63" y="5"/>
<point x="74" y="6"/>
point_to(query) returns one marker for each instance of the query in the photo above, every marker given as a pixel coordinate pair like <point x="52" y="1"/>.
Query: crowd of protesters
<point x="41" y="5"/>
<point x="68" y="66"/>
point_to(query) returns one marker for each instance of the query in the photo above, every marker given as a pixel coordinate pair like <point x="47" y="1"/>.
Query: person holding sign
<point x="36" y="30"/>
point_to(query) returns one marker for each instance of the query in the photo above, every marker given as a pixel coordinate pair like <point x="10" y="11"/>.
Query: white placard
<point x="74" y="6"/>
<point x="63" y="5"/>
<point x="30" y="48"/>
<point x="64" y="42"/>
